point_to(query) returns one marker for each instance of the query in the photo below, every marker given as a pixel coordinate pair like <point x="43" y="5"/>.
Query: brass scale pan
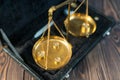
<point x="80" y="25"/>
<point x="59" y="54"/>
<point x="60" y="51"/>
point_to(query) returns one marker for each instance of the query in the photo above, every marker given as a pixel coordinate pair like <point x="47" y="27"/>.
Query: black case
<point x="20" y="20"/>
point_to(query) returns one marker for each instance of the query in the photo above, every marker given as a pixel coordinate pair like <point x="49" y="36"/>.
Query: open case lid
<point x="22" y="15"/>
<point x="11" y="51"/>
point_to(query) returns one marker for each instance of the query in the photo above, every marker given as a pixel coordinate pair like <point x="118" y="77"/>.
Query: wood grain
<point x="9" y="70"/>
<point x="102" y="63"/>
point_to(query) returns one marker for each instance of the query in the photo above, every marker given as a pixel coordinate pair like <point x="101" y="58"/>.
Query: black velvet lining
<point x="80" y="46"/>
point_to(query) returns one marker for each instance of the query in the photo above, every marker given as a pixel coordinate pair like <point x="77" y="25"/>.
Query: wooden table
<point x="102" y="63"/>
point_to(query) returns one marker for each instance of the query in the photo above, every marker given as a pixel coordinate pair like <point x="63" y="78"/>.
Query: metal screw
<point x="108" y="33"/>
<point x="96" y="18"/>
<point x="67" y="76"/>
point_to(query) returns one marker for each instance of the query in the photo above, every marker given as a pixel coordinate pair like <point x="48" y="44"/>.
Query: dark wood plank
<point x="116" y="7"/>
<point x="111" y="10"/>
<point x="108" y="7"/>
<point x="9" y="69"/>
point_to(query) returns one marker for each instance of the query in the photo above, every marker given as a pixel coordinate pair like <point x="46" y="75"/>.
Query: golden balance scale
<point x="54" y="52"/>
